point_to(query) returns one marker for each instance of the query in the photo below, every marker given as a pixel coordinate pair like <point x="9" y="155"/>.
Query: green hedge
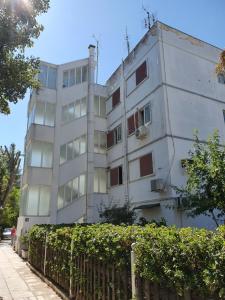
<point x="185" y="258"/>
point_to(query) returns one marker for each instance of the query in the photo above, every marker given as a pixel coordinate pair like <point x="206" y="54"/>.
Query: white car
<point x="6" y="235"/>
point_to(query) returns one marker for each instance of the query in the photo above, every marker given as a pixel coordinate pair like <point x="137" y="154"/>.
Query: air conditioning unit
<point x="141" y="132"/>
<point x="157" y="185"/>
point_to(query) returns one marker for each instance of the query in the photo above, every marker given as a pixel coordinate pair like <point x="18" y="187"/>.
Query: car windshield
<point x="7" y="229"/>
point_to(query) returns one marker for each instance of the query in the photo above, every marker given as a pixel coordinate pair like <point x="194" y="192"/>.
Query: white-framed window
<point x="114" y="136"/>
<point x="144" y="116"/>
<point x="71" y="191"/>
<point x="47" y="76"/>
<point x="42" y="113"/>
<point x="39" y="154"/>
<point x="74" y="110"/>
<point x="99" y="142"/>
<point x="73" y="149"/>
<point x="75" y="76"/>
<point x="100" y="106"/>
<point x="221" y="78"/>
<point x="100" y="180"/>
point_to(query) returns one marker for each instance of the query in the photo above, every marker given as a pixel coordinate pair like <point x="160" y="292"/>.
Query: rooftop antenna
<point x="150" y="19"/>
<point x="97" y="55"/>
<point x="127" y="40"/>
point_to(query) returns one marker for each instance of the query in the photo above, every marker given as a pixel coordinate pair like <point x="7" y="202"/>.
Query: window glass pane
<point x="52" y="78"/>
<point x="78" y="75"/>
<point x="83" y="107"/>
<point x="44" y="201"/>
<point x="32" y="201"/>
<point x="96" y="105"/>
<point x="102" y="180"/>
<point x="70" y="151"/>
<point x="82" y="185"/>
<point x="84" y="73"/>
<point x="64" y="114"/>
<point x="147" y="114"/>
<point x="70" y="115"/>
<point x="42" y="76"/>
<point x="118" y="133"/>
<point x="36" y="154"/>
<point x="28" y="155"/>
<point x="77" y="109"/>
<point x="39" y="113"/>
<point x="82" y="144"/>
<point x="61" y="197"/>
<point x="75" y="193"/>
<point x="102" y="142"/>
<point x="96" y="181"/>
<point x="76" y="146"/>
<point x="102" y="107"/>
<point x="50" y="114"/>
<point x="46" y="155"/>
<point x="65" y="79"/>
<point x="72" y="77"/>
<point x="68" y="192"/>
<point x="96" y="142"/>
<point x="63" y="154"/>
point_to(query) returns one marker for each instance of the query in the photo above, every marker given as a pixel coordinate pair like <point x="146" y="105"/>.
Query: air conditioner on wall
<point x="141" y="132"/>
<point x="157" y="185"/>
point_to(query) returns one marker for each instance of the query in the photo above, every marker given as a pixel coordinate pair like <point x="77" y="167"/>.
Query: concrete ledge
<point x="49" y="283"/>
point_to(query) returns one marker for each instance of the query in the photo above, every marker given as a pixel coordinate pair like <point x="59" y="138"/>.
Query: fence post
<point x="71" y="268"/>
<point x="45" y="256"/>
<point x="133" y="275"/>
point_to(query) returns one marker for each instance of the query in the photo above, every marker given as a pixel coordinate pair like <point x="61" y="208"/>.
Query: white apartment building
<point x="89" y="145"/>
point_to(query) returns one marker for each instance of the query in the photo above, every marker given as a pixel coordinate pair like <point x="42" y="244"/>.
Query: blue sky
<point x="71" y="24"/>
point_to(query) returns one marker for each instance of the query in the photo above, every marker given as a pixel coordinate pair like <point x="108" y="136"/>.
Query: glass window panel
<point x="82" y="144"/>
<point x="65" y="79"/>
<point x="147" y="114"/>
<point x="84" y="73"/>
<point x="72" y="77"/>
<point x="78" y="75"/>
<point x="76" y="146"/>
<point x="96" y="141"/>
<point x="96" y="181"/>
<point x="70" y="112"/>
<point x="36" y="154"/>
<point x="82" y="185"/>
<point x="75" y="193"/>
<point x="32" y="201"/>
<point x="52" y="78"/>
<point x="47" y="155"/>
<point x="28" y="155"/>
<point x="102" y="107"/>
<point x="44" y="201"/>
<point x="68" y="192"/>
<point x="102" y="142"/>
<point x="42" y="76"/>
<point x="61" y="197"/>
<point x="70" y="151"/>
<point x="63" y="154"/>
<point x="77" y="109"/>
<point x="64" y="113"/>
<point x="83" y="107"/>
<point x="96" y="105"/>
<point x="39" y="113"/>
<point x="102" y="180"/>
<point x="50" y="114"/>
<point x="118" y="133"/>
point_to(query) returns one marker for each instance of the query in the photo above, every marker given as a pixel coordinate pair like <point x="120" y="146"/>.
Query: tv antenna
<point x="150" y="19"/>
<point x="97" y="56"/>
<point x="127" y="41"/>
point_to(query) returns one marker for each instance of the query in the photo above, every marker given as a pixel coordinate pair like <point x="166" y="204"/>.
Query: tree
<point x="10" y="213"/>
<point x="9" y="171"/>
<point x="220" y="68"/>
<point x="204" y="192"/>
<point x="18" y="29"/>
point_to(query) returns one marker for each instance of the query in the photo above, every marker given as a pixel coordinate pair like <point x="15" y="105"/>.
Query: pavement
<point x="17" y="281"/>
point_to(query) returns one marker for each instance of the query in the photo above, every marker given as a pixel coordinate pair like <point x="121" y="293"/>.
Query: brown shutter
<point x="141" y="73"/>
<point x="110" y="140"/>
<point x="136" y="120"/>
<point x="116" y="97"/>
<point x="146" y="165"/>
<point x="114" y="176"/>
<point x="130" y="124"/>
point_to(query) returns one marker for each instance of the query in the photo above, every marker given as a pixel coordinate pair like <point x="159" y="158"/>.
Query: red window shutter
<point x="110" y="140"/>
<point x="116" y="97"/>
<point x="141" y="73"/>
<point x="136" y="120"/>
<point x="130" y="124"/>
<point x="146" y="165"/>
<point x="114" y="175"/>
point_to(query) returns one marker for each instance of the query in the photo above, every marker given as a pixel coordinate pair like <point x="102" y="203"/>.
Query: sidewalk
<point x="17" y="282"/>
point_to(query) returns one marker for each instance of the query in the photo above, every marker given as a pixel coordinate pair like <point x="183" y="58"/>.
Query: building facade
<point x="90" y="146"/>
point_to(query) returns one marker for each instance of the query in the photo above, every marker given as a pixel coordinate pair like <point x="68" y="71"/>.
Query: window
<point x="36" y="200"/>
<point x="224" y="115"/>
<point x="116" y="176"/>
<point x="114" y="136"/>
<point x="140" y="118"/>
<point x="100" y="181"/>
<point x="74" y="110"/>
<point x="72" y="149"/>
<point x="116" y="98"/>
<point x="42" y="113"/>
<point x="47" y="76"/>
<point x="132" y="123"/>
<point x="71" y="191"/>
<point x="100" y="106"/>
<point x="146" y="165"/>
<point x="39" y="154"/>
<point x="75" y="76"/>
<point x="100" y="142"/>
<point x="137" y="77"/>
<point x="221" y="78"/>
